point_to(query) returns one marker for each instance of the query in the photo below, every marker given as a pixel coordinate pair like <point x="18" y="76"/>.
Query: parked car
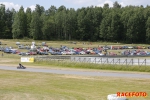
<point x="22" y="53"/>
<point x="101" y="54"/>
<point x="27" y="53"/>
<point x="7" y="50"/>
<point x="141" y="47"/>
<point x="63" y="52"/>
<point x="106" y="47"/>
<point x="21" y="47"/>
<point x="130" y="47"/>
<point x="27" y="47"/>
<point x="82" y="53"/>
<point x="13" y="51"/>
<point x="18" y="43"/>
<point x="70" y="53"/>
<point x="44" y="44"/>
<point x="33" y="52"/>
<point x="116" y="47"/>
<point x="43" y="53"/>
<point x="124" y="47"/>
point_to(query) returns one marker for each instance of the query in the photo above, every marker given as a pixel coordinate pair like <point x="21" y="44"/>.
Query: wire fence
<point x="119" y="61"/>
<point x="99" y="60"/>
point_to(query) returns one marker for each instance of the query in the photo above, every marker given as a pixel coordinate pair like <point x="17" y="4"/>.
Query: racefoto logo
<point x="132" y="94"/>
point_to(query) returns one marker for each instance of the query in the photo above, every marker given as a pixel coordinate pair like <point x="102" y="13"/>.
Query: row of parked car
<point x="125" y="47"/>
<point x="64" y="50"/>
<point x="135" y="52"/>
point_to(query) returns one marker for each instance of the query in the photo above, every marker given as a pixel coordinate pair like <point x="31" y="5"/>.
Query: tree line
<point x="129" y="24"/>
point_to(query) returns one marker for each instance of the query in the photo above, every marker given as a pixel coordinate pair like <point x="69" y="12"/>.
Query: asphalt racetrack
<point x="81" y="73"/>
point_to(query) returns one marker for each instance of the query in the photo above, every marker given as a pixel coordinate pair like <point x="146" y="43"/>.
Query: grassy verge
<point x="40" y="86"/>
<point x="13" y="59"/>
<point x="95" y="66"/>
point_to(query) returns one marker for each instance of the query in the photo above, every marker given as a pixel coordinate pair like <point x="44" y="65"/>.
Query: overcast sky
<point x="69" y="3"/>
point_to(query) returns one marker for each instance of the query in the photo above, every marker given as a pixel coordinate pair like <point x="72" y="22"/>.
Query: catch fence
<point x="119" y="61"/>
<point x="98" y="60"/>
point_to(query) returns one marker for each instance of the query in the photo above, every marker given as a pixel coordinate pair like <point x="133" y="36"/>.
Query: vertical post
<point x="113" y="60"/>
<point x="138" y="61"/>
<point x="145" y="62"/>
<point x="89" y="60"/>
<point x="107" y="61"/>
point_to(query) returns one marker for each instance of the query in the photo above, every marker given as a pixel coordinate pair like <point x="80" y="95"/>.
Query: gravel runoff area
<point x="80" y="72"/>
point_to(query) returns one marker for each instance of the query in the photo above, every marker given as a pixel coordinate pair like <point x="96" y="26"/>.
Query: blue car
<point x="7" y="50"/>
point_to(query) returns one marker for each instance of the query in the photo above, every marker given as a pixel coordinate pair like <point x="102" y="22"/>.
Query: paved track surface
<point x="83" y="73"/>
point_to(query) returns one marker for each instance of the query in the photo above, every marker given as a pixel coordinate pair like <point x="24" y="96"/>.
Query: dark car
<point x="43" y="53"/>
<point x="124" y="47"/>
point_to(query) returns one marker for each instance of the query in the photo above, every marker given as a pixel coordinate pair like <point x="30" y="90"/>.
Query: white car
<point x="100" y="54"/>
<point x="70" y="53"/>
<point x="130" y="47"/>
<point x="64" y="53"/>
<point x="82" y="53"/>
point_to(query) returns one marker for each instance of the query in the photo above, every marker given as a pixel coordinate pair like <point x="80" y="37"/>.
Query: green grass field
<point x="40" y="86"/>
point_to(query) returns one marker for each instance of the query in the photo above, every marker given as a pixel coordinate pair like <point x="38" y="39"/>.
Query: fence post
<point x="107" y="61"/>
<point x="145" y="62"/>
<point x="113" y="60"/>
<point x="89" y="60"/>
<point x="84" y="60"/>
<point x="138" y="61"/>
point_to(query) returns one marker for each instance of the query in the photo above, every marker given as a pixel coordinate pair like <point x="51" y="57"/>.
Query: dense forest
<point x="129" y="24"/>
